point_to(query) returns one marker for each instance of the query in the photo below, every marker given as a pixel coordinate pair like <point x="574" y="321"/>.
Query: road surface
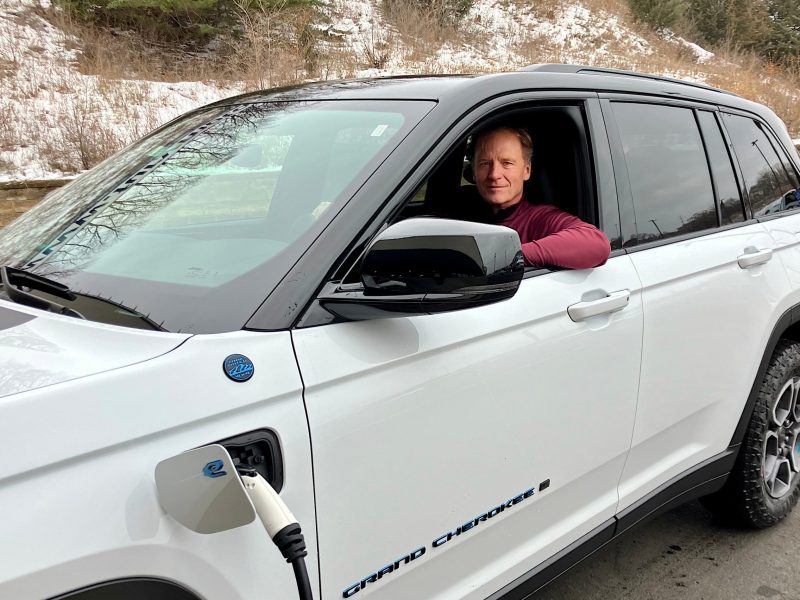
<point x="687" y="554"/>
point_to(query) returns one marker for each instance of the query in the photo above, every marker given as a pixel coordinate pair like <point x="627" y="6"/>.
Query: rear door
<point x="707" y="308"/>
<point x="454" y="452"/>
<point x="771" y="183"/>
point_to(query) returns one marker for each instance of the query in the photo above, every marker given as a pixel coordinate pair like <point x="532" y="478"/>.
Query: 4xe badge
<point x="238" y="367"/>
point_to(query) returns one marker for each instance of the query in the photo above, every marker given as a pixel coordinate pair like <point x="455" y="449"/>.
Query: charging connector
<point x="281" y="525"/>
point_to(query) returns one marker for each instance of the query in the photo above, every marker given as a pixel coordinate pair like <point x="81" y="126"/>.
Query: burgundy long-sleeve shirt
<point x="553" y="237"/>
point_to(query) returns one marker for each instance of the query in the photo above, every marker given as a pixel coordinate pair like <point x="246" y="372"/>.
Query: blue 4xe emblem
<point x="238" y="367"/>
<point x="214" y="469"/>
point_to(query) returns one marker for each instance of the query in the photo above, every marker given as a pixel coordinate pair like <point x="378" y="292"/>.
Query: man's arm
<point x="563" y="240"/>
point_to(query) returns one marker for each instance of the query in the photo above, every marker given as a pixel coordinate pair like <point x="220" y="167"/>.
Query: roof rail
<point x="559" y="68"/>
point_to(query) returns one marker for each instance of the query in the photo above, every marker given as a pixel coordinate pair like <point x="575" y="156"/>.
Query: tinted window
<point x="787" y="165"/>
<point x="669" y="176"/>
<point x="722" y="170"/>
<point x="764" y="175"/>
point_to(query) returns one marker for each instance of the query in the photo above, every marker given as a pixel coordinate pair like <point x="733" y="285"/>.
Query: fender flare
<point x="787" y="319"/>
<point x="153" y="588"/>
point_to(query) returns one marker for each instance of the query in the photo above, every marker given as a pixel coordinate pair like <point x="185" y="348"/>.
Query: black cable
<point x="292" y="545"/>
<point x="301" y="575"/>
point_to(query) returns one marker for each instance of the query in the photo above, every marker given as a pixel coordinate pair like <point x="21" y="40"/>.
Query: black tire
<point x="751" y="497"/>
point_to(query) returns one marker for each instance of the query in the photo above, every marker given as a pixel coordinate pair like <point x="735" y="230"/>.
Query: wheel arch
<point x="131" y="588"/>
<point x="787" y="327"/>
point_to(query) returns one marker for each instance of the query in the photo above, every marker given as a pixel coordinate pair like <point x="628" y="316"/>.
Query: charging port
<point x="258" y="450"/>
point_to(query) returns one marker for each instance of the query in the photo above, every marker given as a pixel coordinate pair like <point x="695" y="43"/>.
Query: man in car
<point x="501" y="165"/>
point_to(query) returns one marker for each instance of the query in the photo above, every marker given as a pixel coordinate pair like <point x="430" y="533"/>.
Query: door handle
<point x="613" y="302"/>
<point x="753" y="256"/>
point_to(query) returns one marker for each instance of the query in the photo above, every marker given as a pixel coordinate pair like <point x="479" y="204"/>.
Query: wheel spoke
<point x="795" y="409"/>
<point x="771" y="457"/>
<point x="794" y="454"/>
<point x="782" y="480"/>
<point x="784" y="404"/>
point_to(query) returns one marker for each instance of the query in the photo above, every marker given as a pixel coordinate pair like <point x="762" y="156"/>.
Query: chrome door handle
<point x="752" y="257"/>
<point x="613" y="302"/>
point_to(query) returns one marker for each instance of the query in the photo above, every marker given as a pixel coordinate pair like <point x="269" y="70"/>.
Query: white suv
<point x="261" y="274"/>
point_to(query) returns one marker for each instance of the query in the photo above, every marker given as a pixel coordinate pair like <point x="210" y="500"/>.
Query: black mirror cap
<point x="443" y="257"/>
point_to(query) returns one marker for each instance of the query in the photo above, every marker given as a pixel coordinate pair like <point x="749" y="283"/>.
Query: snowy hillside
<point x="55" y="121"/>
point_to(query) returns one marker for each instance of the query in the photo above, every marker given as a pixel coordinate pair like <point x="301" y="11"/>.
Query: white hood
<point x="38" y="348"/>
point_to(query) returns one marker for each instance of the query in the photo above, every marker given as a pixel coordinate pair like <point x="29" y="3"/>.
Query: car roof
<point x="472" y="89"/>
<point x="436" y="87"/>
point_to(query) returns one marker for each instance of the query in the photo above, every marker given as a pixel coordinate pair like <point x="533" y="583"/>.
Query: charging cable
<point x="280" y="524"/>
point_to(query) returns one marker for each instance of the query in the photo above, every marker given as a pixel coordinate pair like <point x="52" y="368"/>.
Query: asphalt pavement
<point x="687" y="554"/>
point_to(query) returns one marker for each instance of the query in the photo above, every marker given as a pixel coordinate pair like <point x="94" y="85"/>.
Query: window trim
<point x="689" y="236"/>
<point x="731" y="161"/>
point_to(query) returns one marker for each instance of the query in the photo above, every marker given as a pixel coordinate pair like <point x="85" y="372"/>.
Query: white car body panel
<point x="706" y="324"/>
<point x="786" y="245"/>
<point x="50" y="349"/>
<point x="420" y="424"/>
<point x="103" y="447"/>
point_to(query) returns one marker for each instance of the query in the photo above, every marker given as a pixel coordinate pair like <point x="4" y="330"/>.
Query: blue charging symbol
<point x="214" y="469"/>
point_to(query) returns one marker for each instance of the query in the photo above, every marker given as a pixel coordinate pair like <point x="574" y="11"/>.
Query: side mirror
<point x="426" y="265"/>
<point x="202" y="490"/>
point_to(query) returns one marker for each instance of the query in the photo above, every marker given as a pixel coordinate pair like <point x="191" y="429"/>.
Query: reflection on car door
<point x="425" y="426"/>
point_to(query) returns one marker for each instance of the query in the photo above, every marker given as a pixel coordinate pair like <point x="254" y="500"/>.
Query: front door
<point x="454" y="452"/>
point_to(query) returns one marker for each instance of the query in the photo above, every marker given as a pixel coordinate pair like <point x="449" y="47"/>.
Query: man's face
<point x="501" y="169"/>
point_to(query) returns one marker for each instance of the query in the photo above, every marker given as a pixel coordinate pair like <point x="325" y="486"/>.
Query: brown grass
<point x="123" y="55"/>
<point x="277" y="50"/>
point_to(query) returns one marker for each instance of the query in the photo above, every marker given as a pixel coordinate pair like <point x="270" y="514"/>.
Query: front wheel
<point x="765" y="482"/>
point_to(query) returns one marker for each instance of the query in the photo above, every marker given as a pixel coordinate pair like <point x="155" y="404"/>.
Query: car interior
<point x="561" y="172"/>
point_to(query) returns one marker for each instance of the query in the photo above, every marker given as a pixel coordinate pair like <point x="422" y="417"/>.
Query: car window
<point x="669" y="175"/>
<point x="764" y="175"/>
<point x="197" y="237"/>
<point x="560" y="171"/>
<point x="732" y="209"/>
<point x="787" y="165"/>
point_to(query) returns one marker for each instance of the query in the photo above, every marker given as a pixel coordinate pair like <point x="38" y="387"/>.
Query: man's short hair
<point x="522" y="135"/>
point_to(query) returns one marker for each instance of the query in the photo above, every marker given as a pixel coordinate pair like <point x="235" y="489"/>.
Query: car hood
<point x="39" y="349"/>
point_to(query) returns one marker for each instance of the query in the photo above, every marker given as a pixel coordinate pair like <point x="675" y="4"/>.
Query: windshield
<point x="195" y="225"/>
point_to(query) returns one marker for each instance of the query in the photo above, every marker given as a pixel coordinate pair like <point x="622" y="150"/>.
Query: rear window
<point x="765" y="178"/>
<point x="668" y="171"/>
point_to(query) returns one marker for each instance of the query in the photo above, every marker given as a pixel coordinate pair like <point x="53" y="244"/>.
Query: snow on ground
<point x="496" y="35"/>
<point x="51" y="116"/>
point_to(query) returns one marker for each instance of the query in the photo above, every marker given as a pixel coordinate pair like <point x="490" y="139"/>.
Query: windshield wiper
<point x="14" y="279"/>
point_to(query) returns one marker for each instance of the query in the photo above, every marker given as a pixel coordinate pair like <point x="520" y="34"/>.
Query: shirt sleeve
<point x="563" y="240"/>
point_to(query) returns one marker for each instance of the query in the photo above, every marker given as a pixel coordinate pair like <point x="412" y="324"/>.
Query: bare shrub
<point x="421" y="27"/>
<point x="336" y="61"/>
<point x="538" y="48"/>
<point x="9" y="125"/>
<point x="117" y="54"/>
<point x="377" y="46"/>
<point x="545" y="10"/>
<point x="84" y="137"/>
<point x="278" y="42"/>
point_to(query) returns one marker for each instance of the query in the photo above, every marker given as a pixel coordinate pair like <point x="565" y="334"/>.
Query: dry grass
<point x="277" y="50"/>
<point x="124" y="55"/>
<point x="422" y="32"/>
